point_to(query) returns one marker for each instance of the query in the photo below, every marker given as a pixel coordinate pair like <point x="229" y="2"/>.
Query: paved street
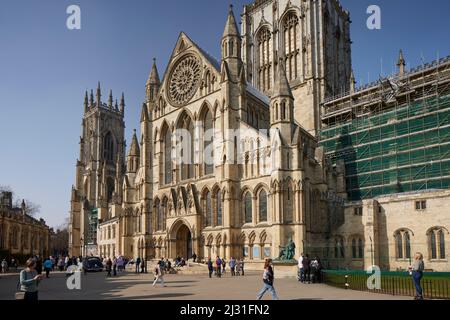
<point x="191" y="287"/>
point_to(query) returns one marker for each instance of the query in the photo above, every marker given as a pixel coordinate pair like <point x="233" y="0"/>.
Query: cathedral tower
<point x="102" y="154"/>
<point x="312" y="38"/>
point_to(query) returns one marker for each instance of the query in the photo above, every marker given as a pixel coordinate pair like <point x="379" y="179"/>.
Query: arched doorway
<point x="184" y="242"/>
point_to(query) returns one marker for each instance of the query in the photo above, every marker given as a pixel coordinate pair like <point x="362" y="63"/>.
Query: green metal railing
<point x="435" y="285"/>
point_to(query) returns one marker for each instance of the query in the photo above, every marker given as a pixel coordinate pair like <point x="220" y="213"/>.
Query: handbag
<point x="20" y="295"/>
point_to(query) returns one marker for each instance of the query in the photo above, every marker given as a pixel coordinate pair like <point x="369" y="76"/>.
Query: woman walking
<point x="29" y="281"/>
<point x="159" y="273"/>
<point x="268" y="277"/>
<point x="417" y="274"/>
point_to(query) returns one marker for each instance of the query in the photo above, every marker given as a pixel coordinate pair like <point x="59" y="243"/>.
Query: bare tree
<point x="31" y="208"/>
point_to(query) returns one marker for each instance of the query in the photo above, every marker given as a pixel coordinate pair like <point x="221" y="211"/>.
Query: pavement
<point x="131" y="286"/>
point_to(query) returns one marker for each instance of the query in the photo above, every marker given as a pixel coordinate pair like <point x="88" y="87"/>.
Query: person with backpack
<point x="210" y="267"/>
<point x="159" y="273"/>
<point x="268" y="278"/>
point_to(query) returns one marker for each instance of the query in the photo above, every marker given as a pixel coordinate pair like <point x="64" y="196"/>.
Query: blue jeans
<point x="417" y="276"/>
<point x="267" y="287"/>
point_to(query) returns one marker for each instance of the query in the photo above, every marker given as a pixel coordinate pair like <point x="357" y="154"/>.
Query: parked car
<point x="92" y="264"/>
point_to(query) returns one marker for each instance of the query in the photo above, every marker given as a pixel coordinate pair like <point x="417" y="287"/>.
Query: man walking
<point x="138" y="264"/>
<point x="301" y="276"/>
<point x="210" y="267"/>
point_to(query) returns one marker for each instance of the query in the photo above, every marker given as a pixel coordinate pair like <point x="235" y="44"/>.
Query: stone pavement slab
<point x="95" y="286"/>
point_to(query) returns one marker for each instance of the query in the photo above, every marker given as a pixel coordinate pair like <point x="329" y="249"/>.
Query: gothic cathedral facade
<point x="255" y="113"/>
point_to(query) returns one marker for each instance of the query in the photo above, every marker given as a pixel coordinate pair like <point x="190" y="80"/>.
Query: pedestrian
<point x="159" y="273"/>
<point x="301" y="274"/>
<point x="232" y="266"/>
<point x="138" y="263"/>
<point x="14" y="264"/>
<point x="194" y="257"/>
<point x="306" y="269"/>
<point x="241" y="267"/>
<point x="29" y="281"/>
<point x="314" y="266"/>
<point x="48" y="265"/>
<point x="4" y="266"/>
<point x="218" y="267"/>
<point x="210" y="267"/>
<point x="142" y="265"/>
<point x="114" y="265"/>
<point x="416" y="270"/>
<point x="268" y="278"/>
<point x="319" y="271"/>
<point x="108" y="267"/>
<point x="238" y="267"/>
<point x="39" y="265"/>
<point x="61" y="264"/>
<point x="66" y="262"/>
<point x="224" y="266"/>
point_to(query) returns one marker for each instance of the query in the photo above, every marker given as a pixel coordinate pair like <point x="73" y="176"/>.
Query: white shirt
<point x="300" y="262"/>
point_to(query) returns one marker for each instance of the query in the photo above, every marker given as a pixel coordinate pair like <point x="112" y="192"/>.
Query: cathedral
<point x="228" y="160"/>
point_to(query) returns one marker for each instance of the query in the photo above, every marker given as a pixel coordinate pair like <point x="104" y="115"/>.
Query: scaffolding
<point x="394" y="136"/>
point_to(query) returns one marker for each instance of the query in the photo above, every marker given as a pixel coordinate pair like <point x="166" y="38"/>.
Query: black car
<point x="92" y="264"/>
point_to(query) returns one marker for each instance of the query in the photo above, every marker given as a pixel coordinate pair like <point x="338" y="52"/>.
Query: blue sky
<point x="45" y="69"/>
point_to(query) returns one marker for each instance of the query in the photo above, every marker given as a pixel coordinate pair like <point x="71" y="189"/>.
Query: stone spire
<point x="352" y="82"/>
<point x="231" y="28"/>
<point x="281" y="87"/>
<point x="153" y="83"/>
<point x="86" y="102"/>
<point x="153" y="78"/>
<point x="133" y="155"/>
<point x="99" y="95"/>
<point x="91" y="99"/>
<point x="110" y="100"/>
<point x="134" y="148"/>
<point x="401" y="63"/>
<point x="122" y="103"/>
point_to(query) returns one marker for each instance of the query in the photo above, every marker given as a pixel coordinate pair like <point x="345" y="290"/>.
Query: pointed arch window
<point x="167" y="157"/>
<point x="288" y="205"/>
<point x="264" y="59"/>
<point x="186" y="147"/>
<point x="402" y="244"/>
<point x="248" y="212"/>
<point x="219" y="213"/>
<point x="208" y="152"/>
<point x="262" y="206"/>
<point x="108" y="148"/>
<point x="208" y="210"/>
<point x="436" y="244"/>
<point x="291" y="36"/>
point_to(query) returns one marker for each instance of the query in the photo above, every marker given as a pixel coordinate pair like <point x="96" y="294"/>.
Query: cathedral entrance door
<point x="184" y="242"/>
